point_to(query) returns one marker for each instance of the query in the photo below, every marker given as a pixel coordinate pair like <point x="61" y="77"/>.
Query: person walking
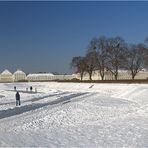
<point x="18" y="102"/>
<point x="31" y="88"/>
<point x="15" y="88"/>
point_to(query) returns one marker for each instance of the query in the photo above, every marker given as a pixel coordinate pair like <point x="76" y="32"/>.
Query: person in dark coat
<point x="18" y="102"/>
<point x="15" y="88"/>
<point x="31" y="88"/>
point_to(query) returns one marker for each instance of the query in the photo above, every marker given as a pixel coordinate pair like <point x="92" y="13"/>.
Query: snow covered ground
<point x="74" y="115"/>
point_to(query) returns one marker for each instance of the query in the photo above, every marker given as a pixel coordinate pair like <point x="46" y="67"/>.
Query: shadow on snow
<point x="34" y="99"/>
<point x="23" y="109"/>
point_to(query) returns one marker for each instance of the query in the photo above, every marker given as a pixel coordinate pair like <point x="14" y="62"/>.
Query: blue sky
<point x="44" y="36"/>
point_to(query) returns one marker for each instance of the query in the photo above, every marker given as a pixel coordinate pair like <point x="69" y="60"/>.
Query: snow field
<point x="75" y="115"/>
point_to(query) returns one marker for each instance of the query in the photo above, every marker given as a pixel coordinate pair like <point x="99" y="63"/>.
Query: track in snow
<point x="34" y="99"/>
<point x="34" y="106"/>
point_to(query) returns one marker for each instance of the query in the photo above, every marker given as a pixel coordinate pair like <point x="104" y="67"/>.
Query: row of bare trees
<point x="112" y="54"/>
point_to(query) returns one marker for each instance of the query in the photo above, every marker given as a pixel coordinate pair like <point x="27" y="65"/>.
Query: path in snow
<point x="34" y="99"/>
<point x="30" y="107"/>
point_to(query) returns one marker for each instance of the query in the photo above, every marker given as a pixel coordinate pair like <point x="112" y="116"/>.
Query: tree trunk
<point x="133" y="76"/>
<point x="90" y="76"/>
<point x="116" y="76"/>
<point x="81" y="76"/>
<point x="102" y="75"/>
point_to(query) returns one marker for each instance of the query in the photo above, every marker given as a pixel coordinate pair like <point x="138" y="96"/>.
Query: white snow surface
<point x="74" y="115"/>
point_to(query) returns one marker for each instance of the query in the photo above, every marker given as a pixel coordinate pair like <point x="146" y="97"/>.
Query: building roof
<point x="40" y="74"/>
<point x="6" y="72"/>
<point x="19" y="72"/>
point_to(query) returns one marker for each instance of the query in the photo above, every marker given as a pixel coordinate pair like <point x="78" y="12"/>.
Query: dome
<point x="6" y="72"/>
<point x="19" y="72"/>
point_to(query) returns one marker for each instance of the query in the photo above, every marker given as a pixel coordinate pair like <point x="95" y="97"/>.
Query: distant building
<point x="19" y="76"/>
<point x="63" y="77"/>
<point x="122" y="75"/>
<point x="40" y="77"/>
<point x="6" y="76"/>
<point x="95" y="75"/>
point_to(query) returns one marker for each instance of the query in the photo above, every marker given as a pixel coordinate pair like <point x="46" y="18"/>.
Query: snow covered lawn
<point x="74" y="115"/>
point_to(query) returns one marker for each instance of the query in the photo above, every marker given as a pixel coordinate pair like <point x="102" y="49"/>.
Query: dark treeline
<point x="112" y="54"/>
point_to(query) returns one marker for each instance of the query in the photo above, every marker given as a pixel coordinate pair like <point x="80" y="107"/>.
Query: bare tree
<point x="80" y="64"/>
<point x="102" y="55"/>
<point x="112" y="54"/>
<point x="91" y="57"/>
<point x="135" y="59"/>
<point x="99" y="46"/>
<point x="116" y="49"/>
<point x="146" y="52"/>
<point x="146" y="41"/>
<point x="90" y="63"/>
